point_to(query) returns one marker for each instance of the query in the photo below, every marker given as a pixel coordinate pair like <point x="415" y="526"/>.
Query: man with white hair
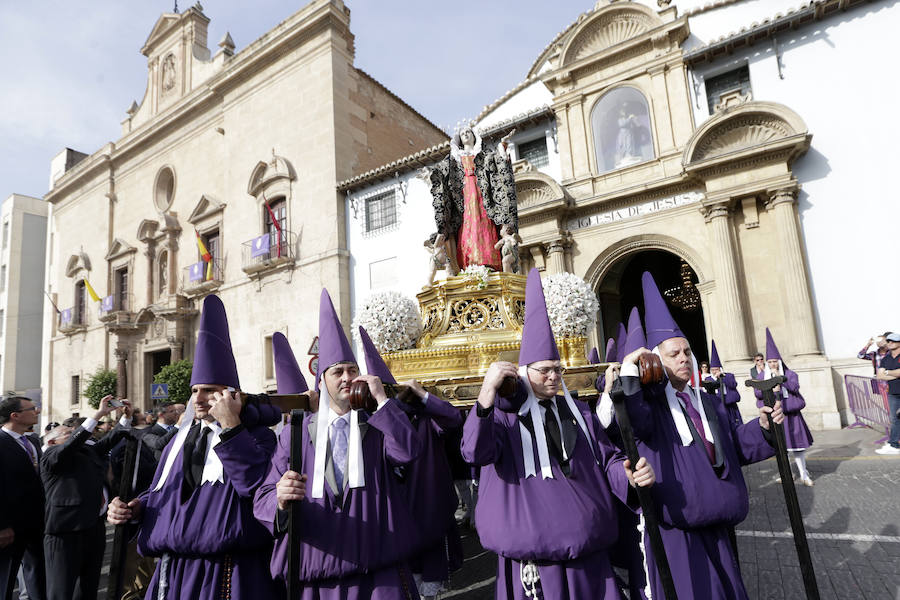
<point x="697" y="454"/>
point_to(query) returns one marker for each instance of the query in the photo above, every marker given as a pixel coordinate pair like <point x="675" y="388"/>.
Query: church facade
<point x="223" y="181"/>
<point x="685" y="141"/>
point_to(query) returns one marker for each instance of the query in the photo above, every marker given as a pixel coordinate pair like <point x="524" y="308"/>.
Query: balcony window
<point x="381" y="211"/>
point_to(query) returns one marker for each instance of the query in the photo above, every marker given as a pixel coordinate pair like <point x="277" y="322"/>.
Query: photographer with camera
<point x="74" y="473"/>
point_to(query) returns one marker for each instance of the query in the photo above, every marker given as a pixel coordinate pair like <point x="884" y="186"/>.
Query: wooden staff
<point x="716" y="387"/>
<point x="296" y="405"/>
<point x="650" y="372"/>
<point x="120" y="541"/>
<point x="787" y="484"/>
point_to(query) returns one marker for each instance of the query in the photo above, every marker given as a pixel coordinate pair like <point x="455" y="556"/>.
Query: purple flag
<point x="260" y="246"/>
<point x="106" y="304"/>
<point x="65" y="316"/>
<point x="197" y="271"/>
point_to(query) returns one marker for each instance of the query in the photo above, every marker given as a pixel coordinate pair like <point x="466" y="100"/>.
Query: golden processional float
<point x="468" y="323"/>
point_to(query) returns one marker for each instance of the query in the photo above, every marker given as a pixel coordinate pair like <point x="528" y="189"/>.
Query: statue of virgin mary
<point x="473" y="194"/>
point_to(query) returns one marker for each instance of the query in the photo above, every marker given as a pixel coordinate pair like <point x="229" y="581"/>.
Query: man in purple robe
<point x="731" y="394"/>
<point x="356" y="531"/>
<point x="548" y="476"/>
<point x="797" y="435"/>
<point x="697" y="454"/>
<point x="197" y="515"/>
<point x="427" y="481"/>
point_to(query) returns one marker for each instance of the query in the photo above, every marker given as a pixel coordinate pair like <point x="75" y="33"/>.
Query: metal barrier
<point x="868" y="399"/>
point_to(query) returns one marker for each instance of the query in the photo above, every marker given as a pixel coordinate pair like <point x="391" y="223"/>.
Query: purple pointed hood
<point x="593" y="356"/>
<point x="657" y="318"/>
<point x="610" y="355"/>
<point x="333" y="344"/>
<point x="288" y="375"/>
<point x="772" y="352"/>
<point x="635" y="337"/>
<point x="621" y="336"/>
<point x="213" y="358"/>
<point x="714" y="356"/>
<point x="538" y="342"/>
<point x="375" y="365"/>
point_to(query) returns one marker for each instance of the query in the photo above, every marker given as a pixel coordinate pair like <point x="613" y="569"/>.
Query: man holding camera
<point x="73" y="470"/>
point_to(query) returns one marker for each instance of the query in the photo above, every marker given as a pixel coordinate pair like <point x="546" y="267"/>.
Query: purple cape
<point x="356" y="539"/>
<point x="697" y="502"/>
<point x="569" y="522"/>
<point x="214" y="528"/>
<point x="796" y="433"/>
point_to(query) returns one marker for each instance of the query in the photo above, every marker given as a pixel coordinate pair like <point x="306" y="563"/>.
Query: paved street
<point x="850" y="516"/>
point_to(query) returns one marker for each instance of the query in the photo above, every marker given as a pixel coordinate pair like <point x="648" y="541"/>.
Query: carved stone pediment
<point x="267" y="172"/>
<point x="534" y="189"/>
<point x="607" y="27"/>
<point x="76" y="263"/>
<point x="751" y="125"/>
<point x="206" y="207"/>
<point x="119" y="248"/>
<point x="147" y="230"/>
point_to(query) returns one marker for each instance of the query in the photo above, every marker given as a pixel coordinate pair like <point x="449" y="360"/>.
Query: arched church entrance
<point x="620" y="290"/>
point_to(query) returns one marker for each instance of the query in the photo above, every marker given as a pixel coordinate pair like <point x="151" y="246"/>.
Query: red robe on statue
<point x="478" y="234"/>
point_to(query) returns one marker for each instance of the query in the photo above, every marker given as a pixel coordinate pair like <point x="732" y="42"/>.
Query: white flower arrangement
<point x="571" y="305"/>
<point x="478" y="273"/>
<point x="392" y="321"/>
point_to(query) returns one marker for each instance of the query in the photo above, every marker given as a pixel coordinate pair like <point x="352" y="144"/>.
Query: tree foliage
<point x="101" y="383"/>
<point x="178" y="376"/>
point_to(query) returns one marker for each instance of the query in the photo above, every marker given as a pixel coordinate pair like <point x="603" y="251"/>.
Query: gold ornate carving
<point x="743" y="132"/>
<point x="609" y="30"/>
<point x="466" y="328"/>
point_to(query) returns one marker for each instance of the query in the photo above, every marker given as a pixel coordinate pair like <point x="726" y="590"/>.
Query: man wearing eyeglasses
<point x="548" y="475"/>
<point x="21" y="499"/>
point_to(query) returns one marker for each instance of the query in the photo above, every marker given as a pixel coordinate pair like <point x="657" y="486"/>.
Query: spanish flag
<point x="204" y="253"/>
<point x="90" y="291"/>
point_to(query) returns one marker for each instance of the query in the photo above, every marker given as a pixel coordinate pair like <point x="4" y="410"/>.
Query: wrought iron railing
<point x="71" y="319"/>
<point x="203" y="275"/>
<point x="116" y="303"/>
<point x="268" y="250"/>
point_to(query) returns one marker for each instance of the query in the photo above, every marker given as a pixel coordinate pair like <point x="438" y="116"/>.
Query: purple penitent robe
<point x="697" y="501"/>
<point x="428" y="485"/>
<point x="796" y="433"/>
<point x="564" y="524"/>
<point x="354" y="542"/>
<point x="210" y="543"/>
<point x="732" y="397"/>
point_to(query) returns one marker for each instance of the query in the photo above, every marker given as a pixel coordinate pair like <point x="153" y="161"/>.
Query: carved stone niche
<point x="536" y="192"/>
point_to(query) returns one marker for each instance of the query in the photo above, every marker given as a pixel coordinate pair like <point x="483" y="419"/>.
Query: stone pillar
<point x="151" y="262"/>
<point x="173" y="264"/>
<point x="121" y="372"/>
<point x="176" y="346"/>
<point x="578" y="138"/>
<point x="792" y="268"/>
<point x="556" y="261"/>
<point x="537" y="257"/>
<point x="732" y="337"/>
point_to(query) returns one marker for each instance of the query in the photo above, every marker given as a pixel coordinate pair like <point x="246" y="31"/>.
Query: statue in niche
<point x="168" y="73"/>
<point x="508" y="244"/>
<point x="627" y="151"/>
<point x="473" y="195"/>
<point x="439" y="259"/>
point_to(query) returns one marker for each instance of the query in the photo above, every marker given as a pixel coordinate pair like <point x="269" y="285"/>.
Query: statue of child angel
<point x="508" y="245"/>
<point x="439" y="260"/>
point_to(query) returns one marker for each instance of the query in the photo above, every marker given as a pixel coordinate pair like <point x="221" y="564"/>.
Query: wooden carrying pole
<point x="120" y="540"/>
<point x="787" y="484"/>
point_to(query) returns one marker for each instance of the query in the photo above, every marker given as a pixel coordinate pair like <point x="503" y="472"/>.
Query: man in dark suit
<point x="157" y="436"/>
<point x="73" y="470"/>
<point x="21" y="499"/>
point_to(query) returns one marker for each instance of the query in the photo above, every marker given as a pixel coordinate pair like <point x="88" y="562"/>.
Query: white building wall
<point x="393" y="258"/>
<point x="21" y="298"/>
<point x="833" y="77"/>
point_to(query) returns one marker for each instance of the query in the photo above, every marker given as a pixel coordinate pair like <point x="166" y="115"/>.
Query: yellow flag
<point x="90" y="291"/>
<point x="209" y="271"/>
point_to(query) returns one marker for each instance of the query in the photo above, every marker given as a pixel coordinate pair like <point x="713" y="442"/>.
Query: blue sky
<point x="72" y="67"/>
